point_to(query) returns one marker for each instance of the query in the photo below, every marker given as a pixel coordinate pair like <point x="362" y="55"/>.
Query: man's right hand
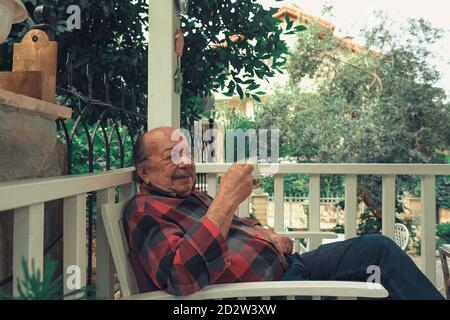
<point x="237" y="184"/>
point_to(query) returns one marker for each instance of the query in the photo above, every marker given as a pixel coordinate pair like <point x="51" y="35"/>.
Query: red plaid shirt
<point x="176" y="248"/>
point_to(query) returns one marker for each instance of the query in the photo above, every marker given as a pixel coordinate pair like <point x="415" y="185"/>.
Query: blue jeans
<point x="349" y="261"/>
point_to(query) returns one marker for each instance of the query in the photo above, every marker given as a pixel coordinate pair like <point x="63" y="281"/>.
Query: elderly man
<point x="181" y="239"/>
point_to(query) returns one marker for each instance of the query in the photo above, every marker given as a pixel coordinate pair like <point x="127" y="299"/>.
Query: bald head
<point x="153" y="153"/>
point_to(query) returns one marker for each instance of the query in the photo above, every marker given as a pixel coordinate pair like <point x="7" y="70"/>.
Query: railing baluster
<point x="351" y="205"/>
<point x="127" y="191"/>
<point x="314" y="209"/>
<point x="212" y="184"/>
<point x="28" y="240"/>
<point x="291" y="222"/>
<point x="388" y="206"/>
<point x="244" y="208"/>
<point x="428" y="250"/>
<point x="278" y="193"/>
<point x="105" y="265"/>
<point x="74" y="238"/>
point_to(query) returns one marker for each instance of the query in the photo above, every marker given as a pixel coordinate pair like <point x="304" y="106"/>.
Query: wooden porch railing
<point x="27" y="198"/>
<point x="388" y="172"/>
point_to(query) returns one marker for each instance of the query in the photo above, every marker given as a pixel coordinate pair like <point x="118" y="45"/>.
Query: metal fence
<point x="99" y="137"/>
<point x="297" y="208"/>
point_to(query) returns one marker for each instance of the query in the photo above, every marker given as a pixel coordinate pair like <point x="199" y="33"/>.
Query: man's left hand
<point x="285" y="244"/>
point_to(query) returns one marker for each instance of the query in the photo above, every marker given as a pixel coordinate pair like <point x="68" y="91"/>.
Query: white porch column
<point x="163" y="102"/>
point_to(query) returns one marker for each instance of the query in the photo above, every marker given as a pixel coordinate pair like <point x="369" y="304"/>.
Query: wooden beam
<point x="163" y="102"/>
<point x="314" y="209"/>
<point x="428" y="249"/>
<point x="17" y="101"/>
<point x="388" y="203"/>
<point x="28" y="241"/>
<point x="351" y="205"/>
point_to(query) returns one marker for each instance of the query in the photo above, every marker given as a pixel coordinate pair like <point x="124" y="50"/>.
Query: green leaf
<point x="231" y="87"/>
<point x="256" y="97"/>
<point x="289" y="22"/>
<point x="253" y="86"/>
<point x="240" y="92"/>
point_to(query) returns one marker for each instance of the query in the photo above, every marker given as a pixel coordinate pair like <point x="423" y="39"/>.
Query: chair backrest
<point x="112" y="216"/>
<point x="401" y="235"/>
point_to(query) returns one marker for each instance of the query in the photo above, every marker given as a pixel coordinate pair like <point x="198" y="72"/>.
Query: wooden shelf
<point x="50" y="110"/>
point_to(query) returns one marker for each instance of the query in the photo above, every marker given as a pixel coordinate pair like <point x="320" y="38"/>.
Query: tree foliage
<point x="212" y="62"/>
<point x="111" y="48"/>
<point x="381" y="106"/>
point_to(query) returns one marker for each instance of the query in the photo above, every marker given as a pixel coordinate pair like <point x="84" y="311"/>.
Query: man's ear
<point x="144" y="173"/>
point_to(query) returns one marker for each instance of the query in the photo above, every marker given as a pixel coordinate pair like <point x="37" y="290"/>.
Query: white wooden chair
<point x="112" y="219"/>
<point x="401" y="235"/>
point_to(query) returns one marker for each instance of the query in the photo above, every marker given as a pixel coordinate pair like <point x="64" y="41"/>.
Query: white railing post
<point x="104" y="263"/>
<point x="244" y="208"/>
<point x="28" y="241"/>
<point x="351" y="205"/>
<point x="163" y="23"/>
<point x="314" y="209"/>
<point x="291" y="222"/>
<point x="74" y="240"/>
<point x="127" y="191"/>
<point x="278" y="197"/>
<point x="428" y="250"/>
<point x="388" y="206"/>
<point x="211" y="180"/>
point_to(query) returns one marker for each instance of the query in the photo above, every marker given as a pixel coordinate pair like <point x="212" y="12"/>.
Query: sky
<point x="350" y="16"/>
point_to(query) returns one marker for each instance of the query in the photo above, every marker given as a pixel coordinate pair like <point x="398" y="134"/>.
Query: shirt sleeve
<point x="251" y="222"/>
<point x="180" y="262"/>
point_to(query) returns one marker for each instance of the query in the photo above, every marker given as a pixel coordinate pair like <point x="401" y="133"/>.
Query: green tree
<point x="107" y="58"/>
<point x="380" y="106"/>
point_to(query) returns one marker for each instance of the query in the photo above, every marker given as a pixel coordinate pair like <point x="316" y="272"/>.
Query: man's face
<point x="169" y="168"/>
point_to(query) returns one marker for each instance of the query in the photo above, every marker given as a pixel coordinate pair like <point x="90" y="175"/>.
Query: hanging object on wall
<point x="34" y="67"/>
<point x="182" y="6"/>
<point x="179" y="46"/>
<point x="179" y="42"/>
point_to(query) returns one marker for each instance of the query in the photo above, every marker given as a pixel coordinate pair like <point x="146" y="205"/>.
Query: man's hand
<point x="235" y="186"/>
<point x="285" y="244"/>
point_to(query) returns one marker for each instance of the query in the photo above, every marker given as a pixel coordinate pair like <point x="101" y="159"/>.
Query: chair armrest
<point x="342" y="289"/>
<point x="309" y="235"/>
<point x="445" y="249"/>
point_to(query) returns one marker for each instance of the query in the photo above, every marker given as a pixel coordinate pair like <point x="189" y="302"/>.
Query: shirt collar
<point x="154" y="190"/>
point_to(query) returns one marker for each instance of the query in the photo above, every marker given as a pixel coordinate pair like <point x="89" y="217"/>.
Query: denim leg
<point x="297" y="271"/>
<point x="357" y="258"/>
